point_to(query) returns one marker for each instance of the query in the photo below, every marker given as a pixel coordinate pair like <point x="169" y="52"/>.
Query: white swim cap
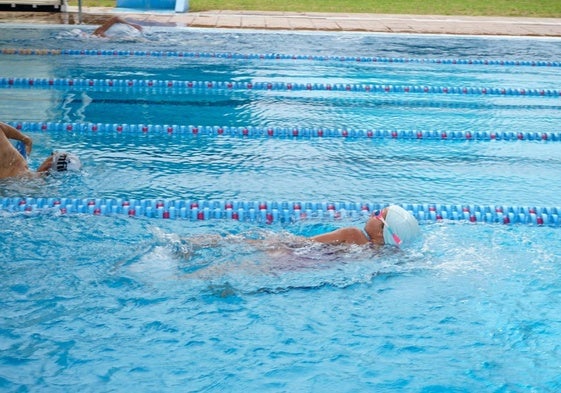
<point x="401" y="227"/>
<point x="65" y="162"/>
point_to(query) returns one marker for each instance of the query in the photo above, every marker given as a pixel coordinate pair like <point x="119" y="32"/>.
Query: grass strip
<point x="522" y="8"/>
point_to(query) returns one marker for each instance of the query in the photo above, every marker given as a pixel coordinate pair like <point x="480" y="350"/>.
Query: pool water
<point x="110" y="303"/>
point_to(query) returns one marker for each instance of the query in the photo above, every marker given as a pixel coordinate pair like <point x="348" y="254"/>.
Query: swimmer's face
<point x="375" y="228"/>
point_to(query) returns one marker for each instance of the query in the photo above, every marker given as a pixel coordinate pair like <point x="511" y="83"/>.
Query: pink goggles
<point x="378" y="215"/>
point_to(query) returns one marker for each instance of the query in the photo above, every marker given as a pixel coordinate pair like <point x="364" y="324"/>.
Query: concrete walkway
<point x="543" y="27"/>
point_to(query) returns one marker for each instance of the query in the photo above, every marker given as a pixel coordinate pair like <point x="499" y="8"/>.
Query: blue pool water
<point x="110" y="303"/>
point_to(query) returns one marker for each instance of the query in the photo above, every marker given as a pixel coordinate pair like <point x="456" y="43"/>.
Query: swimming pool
<point x="105" y="302"/>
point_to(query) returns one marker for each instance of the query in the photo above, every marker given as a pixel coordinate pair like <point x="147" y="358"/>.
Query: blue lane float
<point x="284" y="132"/>
<point x="276" y="56"/>
<point x="269" y="212"/>
<point x="149" y="85"/>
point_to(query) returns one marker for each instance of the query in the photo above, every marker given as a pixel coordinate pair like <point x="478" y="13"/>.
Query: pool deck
<point x="416" y="24"/>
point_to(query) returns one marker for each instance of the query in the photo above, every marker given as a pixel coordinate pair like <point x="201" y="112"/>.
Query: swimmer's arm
<point x="46" y="165"/>
<point x="12" y="133"/>
<point x="100" y="31"/>
<point x="137" y="27"/>
<point x="348" y="235"/>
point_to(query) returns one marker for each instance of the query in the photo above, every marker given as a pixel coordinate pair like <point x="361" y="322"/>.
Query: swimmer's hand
<point x="137" y="27"/>
<point x="28" y="142"/>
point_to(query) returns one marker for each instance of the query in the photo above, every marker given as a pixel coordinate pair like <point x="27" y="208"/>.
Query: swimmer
<point x="14" y="164"/>
<point x="393" y="225"/>
<point x="117" y="26"/>
<point x="284" y="252"/>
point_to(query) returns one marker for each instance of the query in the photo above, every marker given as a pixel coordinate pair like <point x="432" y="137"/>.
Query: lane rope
<point x="283" y="132"/>
<point x="269" y="212"/>
<point x="187" y="86"/>
<point x="275" y="56"/>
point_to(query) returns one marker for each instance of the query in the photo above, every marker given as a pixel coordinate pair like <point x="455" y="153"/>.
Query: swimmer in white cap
<point x="393" y="225"/>
<point x="14" y="164"/>
<point x="61" y="162"/>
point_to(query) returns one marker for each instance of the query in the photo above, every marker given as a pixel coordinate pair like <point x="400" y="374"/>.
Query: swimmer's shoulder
<point x="350" y="235"/>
